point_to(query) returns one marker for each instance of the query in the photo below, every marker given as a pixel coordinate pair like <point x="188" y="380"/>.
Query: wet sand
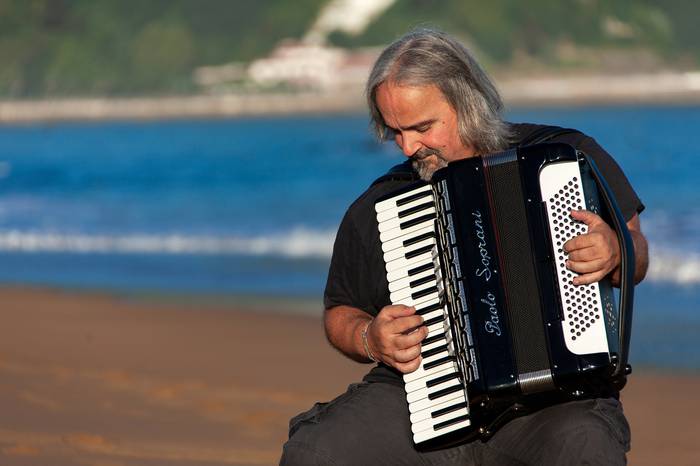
<point x="108" y="380"/>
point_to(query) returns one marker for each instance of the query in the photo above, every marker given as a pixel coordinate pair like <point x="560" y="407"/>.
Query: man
<point x="428" y="94"/>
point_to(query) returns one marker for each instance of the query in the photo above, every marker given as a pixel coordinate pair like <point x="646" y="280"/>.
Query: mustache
<point x="423" y="153"/>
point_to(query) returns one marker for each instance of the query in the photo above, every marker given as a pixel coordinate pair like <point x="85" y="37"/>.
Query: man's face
<point x="424" y="125"/>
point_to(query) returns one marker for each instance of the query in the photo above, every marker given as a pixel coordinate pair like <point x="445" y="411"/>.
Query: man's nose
<point x="410" y="145"/>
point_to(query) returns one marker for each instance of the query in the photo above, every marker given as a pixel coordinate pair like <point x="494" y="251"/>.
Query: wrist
<point x="365" y="342"/>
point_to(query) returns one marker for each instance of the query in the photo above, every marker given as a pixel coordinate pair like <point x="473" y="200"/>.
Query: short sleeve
<point x="351" y="275"/>
<point x="341" y="286"/>
<point x="356" y="276"/>
<point x="626" y="197"/>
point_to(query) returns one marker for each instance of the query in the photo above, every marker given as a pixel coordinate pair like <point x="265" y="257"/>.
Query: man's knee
<point x="591" y="432"/>
<point x="598" y="421"/>
<point x="295" y="453"/>
<point x="358" y="426"/>
<point x="588" y="432"/>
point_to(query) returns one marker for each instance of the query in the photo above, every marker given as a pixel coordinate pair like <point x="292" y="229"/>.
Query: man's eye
<point x="422" y="129"/>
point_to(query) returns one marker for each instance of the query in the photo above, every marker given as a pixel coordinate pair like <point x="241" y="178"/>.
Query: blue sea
<point x="250" y="207"/>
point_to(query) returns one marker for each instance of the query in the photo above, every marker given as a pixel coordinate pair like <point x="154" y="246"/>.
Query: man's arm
<point x="597" y="253"/>
<point x="393" y="337"/>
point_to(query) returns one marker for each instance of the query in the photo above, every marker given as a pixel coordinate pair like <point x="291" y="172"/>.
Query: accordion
<point x="479" y="252"/>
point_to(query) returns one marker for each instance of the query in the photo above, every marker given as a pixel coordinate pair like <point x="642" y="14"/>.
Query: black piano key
<point x="431" y="308"/>
<point x="442" y="425"/>
<point x="437" y="362"/>
<point x="418" y="208"/>
<point x="439" y="380"/>
<point x="417" y="221"/>
<point x="419" y="251"/>
<point x="444" y="392"/>
<point x="416" y="239"/>
<point x="413" y="197"/>
<point x="420" y="268"/>
<point x="425" y="292"/>
<point x="436" y="337"/>
<point x="434" y="351"/>
<point x="421" y="281"/>
<point x="449" y="409"/>
<point x="434" y="320"/>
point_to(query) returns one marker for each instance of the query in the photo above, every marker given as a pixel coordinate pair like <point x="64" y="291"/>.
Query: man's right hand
<point x="394" y="337"/>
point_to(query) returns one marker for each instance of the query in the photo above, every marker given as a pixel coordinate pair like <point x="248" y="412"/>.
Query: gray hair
<point x="428" y="57"/>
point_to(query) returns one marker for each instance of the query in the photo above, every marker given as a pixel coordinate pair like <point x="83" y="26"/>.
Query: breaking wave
<point x="666" y="265"/>
<point x="297" y="243"/>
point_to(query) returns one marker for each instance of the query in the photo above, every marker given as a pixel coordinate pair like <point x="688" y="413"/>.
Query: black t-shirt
<point x="356" y="276"/>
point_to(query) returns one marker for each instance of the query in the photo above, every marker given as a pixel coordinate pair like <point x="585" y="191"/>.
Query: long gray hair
<point x="428" y="57"/>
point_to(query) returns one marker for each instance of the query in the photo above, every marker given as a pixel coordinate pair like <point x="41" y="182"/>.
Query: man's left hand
<point x="594" y="254"/>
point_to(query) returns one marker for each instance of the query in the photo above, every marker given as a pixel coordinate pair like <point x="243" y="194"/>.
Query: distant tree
<point x="84" y="47"/>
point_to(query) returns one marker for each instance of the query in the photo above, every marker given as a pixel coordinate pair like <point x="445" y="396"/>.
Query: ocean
<point x="250" y="206"/>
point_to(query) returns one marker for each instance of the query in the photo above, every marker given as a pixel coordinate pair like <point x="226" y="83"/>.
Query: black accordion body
<point x="479" y="252"/>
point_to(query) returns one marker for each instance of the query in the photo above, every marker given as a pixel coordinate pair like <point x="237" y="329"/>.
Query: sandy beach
<point x="668" y="87"/>
<point x="110" y="381"/>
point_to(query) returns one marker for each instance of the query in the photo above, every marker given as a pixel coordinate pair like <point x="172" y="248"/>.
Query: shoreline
<point x="654" y="88"/>
<point x="93" y="377"/>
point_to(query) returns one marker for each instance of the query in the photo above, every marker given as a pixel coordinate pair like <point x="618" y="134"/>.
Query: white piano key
<point x="442" y="340"/>
<point x="407" y="292"/>
<point x="397" y="232"/>
<point x="392" y="223"/>
<point x="430" y="423"/>
<point x="391" y="203"/>
<point x="403" y="263"/>
<point x="433" y="344"/>
<point x="398" y="242"/>
<point x="406" y="281"/>
<point x="422" y="372"/>
<point x="430" y="433"/>
<point x="436" y="328"/>
<point x="428" y="412"/>
<point x="403" y="251"/>
<point x="434" y="299"/>
<point x="419" y="302"/>
<point x="434" y="357"/>
<point x="394" y="212"/>
<point x="434" y="314"/>
<point x="422" y="383"/>
<point x="421" y="393"/>
<point x="426" y="403"/>
<point x="413" y="268"/>
<point x="439" y="335"/>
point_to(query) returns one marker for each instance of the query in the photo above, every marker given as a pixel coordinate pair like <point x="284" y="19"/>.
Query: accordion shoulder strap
<point x="401" y="172"/>
<point x="544" y="134"/>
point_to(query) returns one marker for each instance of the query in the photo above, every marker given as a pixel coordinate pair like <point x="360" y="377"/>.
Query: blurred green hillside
<point x="130" y="47"/>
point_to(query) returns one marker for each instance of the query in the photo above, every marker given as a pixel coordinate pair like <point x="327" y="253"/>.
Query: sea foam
<point x="666" y="265"/>
<point x="297" y="243"/>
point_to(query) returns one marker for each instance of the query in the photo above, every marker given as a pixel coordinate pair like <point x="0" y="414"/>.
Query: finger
<point x="588" y="278"/>
<point x="408" y="354"/>
<point x="584" y="255"/>
<point x="412" y="338"/>
<point x="408" y="367"/>
<point x="586" y="266"/>
<point x="404" y="325"/>
<point x="395" y="311"/>
<point x="586" y="216"/>
<point x="578" y="242"/>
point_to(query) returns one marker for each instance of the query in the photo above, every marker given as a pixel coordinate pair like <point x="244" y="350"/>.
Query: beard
<point x="423" y="163"/>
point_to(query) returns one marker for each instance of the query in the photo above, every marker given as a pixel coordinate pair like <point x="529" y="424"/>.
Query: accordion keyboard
<point x="435" y="392"/>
